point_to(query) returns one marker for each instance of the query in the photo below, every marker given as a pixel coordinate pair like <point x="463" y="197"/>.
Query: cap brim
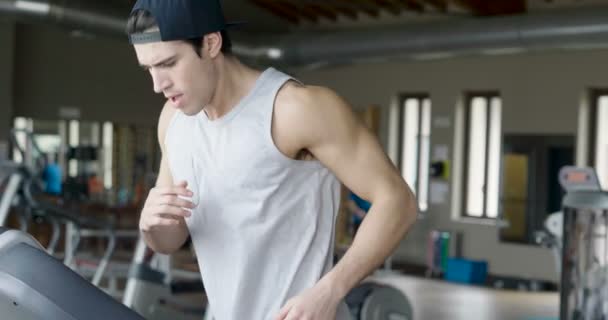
<point x="155" y="36"/>
<point x="145" y="37"/>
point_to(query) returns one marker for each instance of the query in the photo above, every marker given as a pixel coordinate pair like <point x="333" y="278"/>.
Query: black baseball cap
<point x="181" y="19"/>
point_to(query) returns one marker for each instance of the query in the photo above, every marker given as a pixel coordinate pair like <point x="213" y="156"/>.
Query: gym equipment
<point x="16" y="183"/>
<point x="10" y="179"/>
<point x="22" y="186"/>
<point x="551" y="237"/>
<point x="371" y="301"/>
<point x="34" y="285"/>
<point x="584" y="276"/>
<point x="151" y="291"/>
<point x="20" y="194"/>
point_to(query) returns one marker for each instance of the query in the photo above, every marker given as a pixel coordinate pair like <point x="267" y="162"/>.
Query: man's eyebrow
<point x="158" y="63"/>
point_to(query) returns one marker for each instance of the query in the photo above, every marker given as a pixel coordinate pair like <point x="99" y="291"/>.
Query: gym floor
<point x="440" y="300"/>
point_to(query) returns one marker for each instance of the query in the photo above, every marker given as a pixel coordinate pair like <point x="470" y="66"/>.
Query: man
<point x="248" y="171"/>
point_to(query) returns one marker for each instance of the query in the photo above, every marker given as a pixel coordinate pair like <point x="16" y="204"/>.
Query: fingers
<point x="180" y="188"/>
<point x="169" y="210"/>
<point x="174" y="200"/>
<point x="166" y="206"/>
<point x="292" y="316"/>
<point x="172" y="195"/>
<point x="169" y="216"/>
<point x="282" y="314"/>
<point x="158" y="221"/>
<point x="174" y="190"/>
<point x="162" y="216"/>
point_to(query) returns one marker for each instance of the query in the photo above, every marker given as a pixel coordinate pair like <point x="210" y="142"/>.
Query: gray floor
<point x="439" y="300"/>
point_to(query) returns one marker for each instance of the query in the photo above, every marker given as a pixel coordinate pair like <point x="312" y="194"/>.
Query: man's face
<point x="185" y="79"/>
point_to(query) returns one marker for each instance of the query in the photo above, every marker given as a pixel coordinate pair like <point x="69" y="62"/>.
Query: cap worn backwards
<point x="181" y="19"/>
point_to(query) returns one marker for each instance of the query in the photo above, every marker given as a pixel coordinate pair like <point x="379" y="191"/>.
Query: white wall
<point x="541" y="93"/>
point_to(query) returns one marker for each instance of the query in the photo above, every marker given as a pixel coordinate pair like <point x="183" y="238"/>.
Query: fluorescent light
<point x="31" y="6"/>
<point x="433" y="56"/>
<point x="275" y="53"/>
<point x="501" y="51"/>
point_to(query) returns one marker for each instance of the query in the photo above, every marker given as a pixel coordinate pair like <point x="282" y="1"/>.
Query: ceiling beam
<point x="347" y="11"/>
<point x="494" y="7"/>
<point x="277" y="10"/>
<point x="362" y="5"/>
<point x="439" y="5"/>
<point x="388" y="6"/>
<point x="324" y="11"/>
<point x="411" y="5"/>
<point x="295" y="8"/>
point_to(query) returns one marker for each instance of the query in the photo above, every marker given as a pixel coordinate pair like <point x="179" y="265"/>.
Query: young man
<point x="249" y="169"/>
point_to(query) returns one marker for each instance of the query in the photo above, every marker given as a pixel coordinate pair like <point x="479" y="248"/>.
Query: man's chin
<point x="190" y="110"/>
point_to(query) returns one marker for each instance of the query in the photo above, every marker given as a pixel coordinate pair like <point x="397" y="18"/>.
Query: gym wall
<point x="541" y="93"/>
<point x="100" y="76"/>
<point x="7" y="41"/>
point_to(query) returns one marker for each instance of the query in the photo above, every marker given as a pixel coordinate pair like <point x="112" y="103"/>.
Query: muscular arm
<point x="317" y="120"/>
<point x="168" y="239"/>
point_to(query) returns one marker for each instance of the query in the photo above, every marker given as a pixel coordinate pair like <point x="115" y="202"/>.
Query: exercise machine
<point x="22" y="185"/>
<point x="34" y="285"/>
<point x="373" y="301"/>
<point x="152" y="291"/>
<point x="584" y="252"/>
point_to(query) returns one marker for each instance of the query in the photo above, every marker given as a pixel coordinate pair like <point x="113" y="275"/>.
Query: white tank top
<point x="263" y="230"/>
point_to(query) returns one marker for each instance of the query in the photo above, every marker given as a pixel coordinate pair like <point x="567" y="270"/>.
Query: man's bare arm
<point x="166" y="232"/>
<point x="325" y="125"/>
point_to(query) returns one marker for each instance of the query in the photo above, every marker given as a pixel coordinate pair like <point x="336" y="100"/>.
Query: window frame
<point x="468" y="98"/>
<point x="423" y="204"/>
<point x="593" y="129"/>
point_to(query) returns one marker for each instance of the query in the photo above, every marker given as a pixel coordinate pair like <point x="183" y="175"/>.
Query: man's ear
<point x="212" y="44"/>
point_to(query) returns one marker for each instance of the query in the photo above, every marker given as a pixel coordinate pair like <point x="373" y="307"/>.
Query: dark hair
<point x="142" y="20"/>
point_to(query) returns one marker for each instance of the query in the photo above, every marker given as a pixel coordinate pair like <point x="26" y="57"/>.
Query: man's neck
<point x="235" y="81"/>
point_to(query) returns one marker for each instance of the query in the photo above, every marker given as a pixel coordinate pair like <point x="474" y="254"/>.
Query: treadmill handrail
<point x="11" y="238"/>
<point x="17" y="290"/>
<point x="30" y="138"/>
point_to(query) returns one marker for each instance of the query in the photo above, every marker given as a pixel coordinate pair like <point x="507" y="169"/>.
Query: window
<point x="74" y="141"/>
<point x="482" y="155"/>
<point x="21" y="139"/>
<point x="108" y="145"/>
<point x="414" y="114"/>
<point x="48" y="143"/>
<point x="599" y="135"/>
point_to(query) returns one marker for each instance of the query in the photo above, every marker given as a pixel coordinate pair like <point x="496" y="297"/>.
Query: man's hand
<point x="165" y="208"/>
<point x="316" y="303"/>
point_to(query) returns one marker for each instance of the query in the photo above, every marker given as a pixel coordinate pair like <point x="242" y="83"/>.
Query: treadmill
<point x="34" y="286"/>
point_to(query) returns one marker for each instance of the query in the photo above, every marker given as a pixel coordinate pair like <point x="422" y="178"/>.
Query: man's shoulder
<point x="166" y="115"/>
<point x="303" y="101"/>
<point x="306" y="114"/>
